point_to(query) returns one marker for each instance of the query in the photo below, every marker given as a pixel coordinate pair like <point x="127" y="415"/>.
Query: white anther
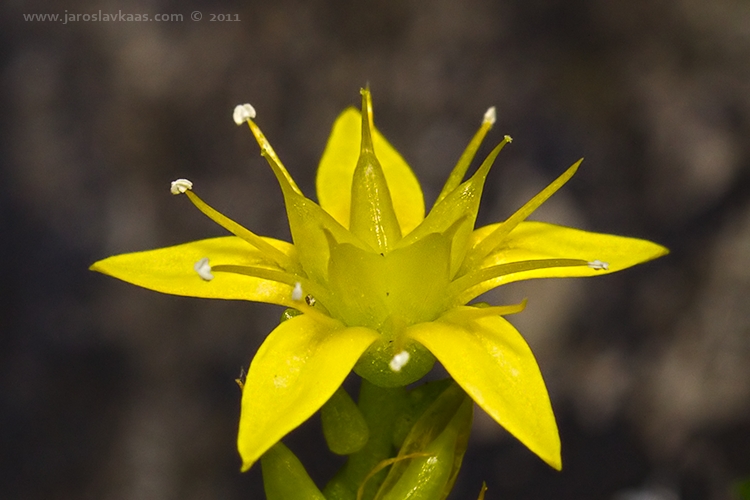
<point x="490" y="115"/>
<point x="399" y="361"/>
<point x="508" y="139"/>
<point x="598" y="265"/>
<point x="297" y="292"/>
<point x="243" y="113"/>
<point x="203" y="268"/>
<point x="180" y="186"/>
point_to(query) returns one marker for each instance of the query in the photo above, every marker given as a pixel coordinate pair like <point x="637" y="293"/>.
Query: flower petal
<point x="540" y="240"/>
<point x="170" y="270"/>
<point x="334" y="180"/>
<point x="491" y="361"/>
<point x="296" y="370"/>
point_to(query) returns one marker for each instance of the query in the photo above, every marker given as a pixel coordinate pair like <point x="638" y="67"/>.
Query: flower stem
<point x="380" y="406"/>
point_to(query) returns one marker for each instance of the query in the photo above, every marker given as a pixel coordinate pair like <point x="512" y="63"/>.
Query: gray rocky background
<point x="112" y="392"/>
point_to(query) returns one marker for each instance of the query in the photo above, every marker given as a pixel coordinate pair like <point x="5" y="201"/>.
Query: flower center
<point x="382" y="290"/>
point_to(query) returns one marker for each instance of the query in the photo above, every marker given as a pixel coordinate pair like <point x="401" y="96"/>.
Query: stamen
<point x="297" y="292"/>
<point x="271" y="156"/>
<point x="399" y="361"/>
<point x="598" y="265"/>
<point x="203" y="268"/>
<point x="459" y="171"/>
<point x="180" y="186"/>
<point x="243" y="113"/>
<point x="279" y="277"/>
<point x="490" y="116"/>
<point x="268" y="250"/>
<point x="508" y="139"/>
<point x="466" y="282"/>
<point x="496" y="237"/>
<point x="318" y="313"/>
<point x="469" y="313"/>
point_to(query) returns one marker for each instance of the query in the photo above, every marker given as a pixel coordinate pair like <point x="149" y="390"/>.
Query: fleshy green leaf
<point x="490" y="360"/>
<point x="431" y="476"/>
<point x="380" y="407"/>
<point x="540" y="240"/>
<point x="337" y="165"/>
<point x="437" y="442"/>
<point x="417" y="401"/>
<point x="344" y="426"/>
<point x="285" y="478"/>
<point x="170" y="270"/>
<point x="295" y="371"/>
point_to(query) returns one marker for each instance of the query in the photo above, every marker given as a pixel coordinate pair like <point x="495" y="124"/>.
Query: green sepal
<point x="344" y="426"/>
<point x="440" y="436"/>
<point x="285" y="478"/>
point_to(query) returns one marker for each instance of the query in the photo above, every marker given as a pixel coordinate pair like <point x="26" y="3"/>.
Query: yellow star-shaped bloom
<point x="383" y="289"/>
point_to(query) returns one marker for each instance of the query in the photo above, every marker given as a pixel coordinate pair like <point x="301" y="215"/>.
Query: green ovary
<point x="389" y="292"/>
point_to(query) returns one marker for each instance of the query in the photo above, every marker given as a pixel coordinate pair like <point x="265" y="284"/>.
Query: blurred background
<point x="108" y="391"/>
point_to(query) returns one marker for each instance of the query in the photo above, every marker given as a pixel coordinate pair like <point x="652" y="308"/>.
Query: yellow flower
<point x="383" y="289"/>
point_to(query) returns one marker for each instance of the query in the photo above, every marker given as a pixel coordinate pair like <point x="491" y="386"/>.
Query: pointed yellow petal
<point x="606" y="253"/>
<point x="336" y="170"/>
<point x="171" y="270"/>
<point x="491" y="361"/>
<point x="296" y="370"/>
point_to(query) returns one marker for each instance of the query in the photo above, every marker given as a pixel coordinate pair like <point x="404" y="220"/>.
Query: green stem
<point x="380" y="406"/>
